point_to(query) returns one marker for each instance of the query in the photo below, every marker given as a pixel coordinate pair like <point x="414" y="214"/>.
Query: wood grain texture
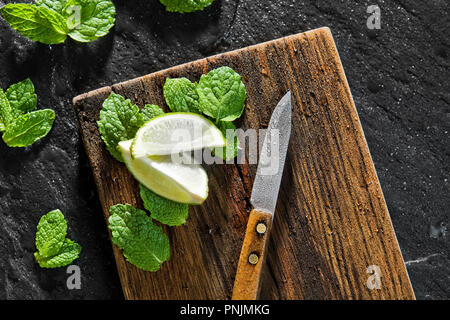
<point x="248" y="274"/>
<point x="331" y="221"/>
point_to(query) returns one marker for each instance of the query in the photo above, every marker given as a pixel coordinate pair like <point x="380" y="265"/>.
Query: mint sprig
<point x="20" y="123"/>
<point x="53" y="248"/>
<point x="52" y="21"/>
<point x="220" y="95"/>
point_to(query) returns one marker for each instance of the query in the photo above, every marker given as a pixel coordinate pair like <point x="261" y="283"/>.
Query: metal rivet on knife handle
<point x="253" y="258"/>
<point x="261" y="228"/>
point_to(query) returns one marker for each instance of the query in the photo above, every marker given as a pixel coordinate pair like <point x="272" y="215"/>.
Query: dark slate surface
<point x="399" y="77"/>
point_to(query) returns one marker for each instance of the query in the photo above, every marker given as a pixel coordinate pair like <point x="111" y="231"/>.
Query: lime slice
<point x="175" y="133"/>
<point x="185" y="183"/>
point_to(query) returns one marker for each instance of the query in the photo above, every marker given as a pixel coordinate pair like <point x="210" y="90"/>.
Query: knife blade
<point x="271" y="164"/>
<point x="263" y="199"/>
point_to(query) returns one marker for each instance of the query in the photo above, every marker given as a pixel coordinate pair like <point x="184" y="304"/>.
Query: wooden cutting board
<point x="331" y="224"/>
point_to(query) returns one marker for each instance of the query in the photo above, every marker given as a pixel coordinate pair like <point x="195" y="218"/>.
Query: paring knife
<point x="264" y="198"/>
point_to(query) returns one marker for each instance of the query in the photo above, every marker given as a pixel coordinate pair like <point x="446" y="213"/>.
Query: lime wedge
<point x="175" y="133"/>
<point x="185" y="183"/>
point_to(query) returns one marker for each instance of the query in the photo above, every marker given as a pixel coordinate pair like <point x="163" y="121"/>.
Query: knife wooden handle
<point x="253" y="255"/>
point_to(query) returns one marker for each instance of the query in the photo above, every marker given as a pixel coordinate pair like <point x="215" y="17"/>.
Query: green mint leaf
<point x="97" y="18"/>
<point x="183" y="6"/>
<point x="87" y="20"/>
<point x="36" y="23"/>
<point x="53" y="248"/>
<point x="181" y="95"/>
<point x="164" y="210"/>
<point x="66" y="255"/>
<point x="29" y="128"/>
<point x="51" y="233"/>
<point x="58" y="6"/>
<point x="144" y="244"/>
<point x="119" y="121"/>
<point x="222" y="94"/>
<point x="21" y="97"/>
<point x="5" y="111"/>
<point x="150" y="111"/>
<point x="231" y="149"/>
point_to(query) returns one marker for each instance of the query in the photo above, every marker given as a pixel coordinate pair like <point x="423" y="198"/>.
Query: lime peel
<point x="176" y="132"/>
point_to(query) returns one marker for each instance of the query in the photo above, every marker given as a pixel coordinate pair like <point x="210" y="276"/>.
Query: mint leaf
<point x="231" y="149"/>
<point x="21" y="126"/>
<point x="66" y="255"/>
<point x="53" y="248"/>
<point x="51" y="232"/>
<point x="222" y="94"/>
<point x="144" y="244"/>
<point x="58" y="6"/>
<point x="97" y="18"/>
<point x="164" y="210"/>
<point x="29" y="128"/>
<point x="50" y="21"/>
<point x="21" y="97"/>
<point x="36" y="23"/>
<point x="181" y="95"/>
<point x="183" y="6"/>
<point x="150" y="111"/>
<point x="119" y="121"/>
<point x="5" y="111"/>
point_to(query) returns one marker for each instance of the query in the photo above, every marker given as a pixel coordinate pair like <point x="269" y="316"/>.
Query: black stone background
<point x="399" y="77"/>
